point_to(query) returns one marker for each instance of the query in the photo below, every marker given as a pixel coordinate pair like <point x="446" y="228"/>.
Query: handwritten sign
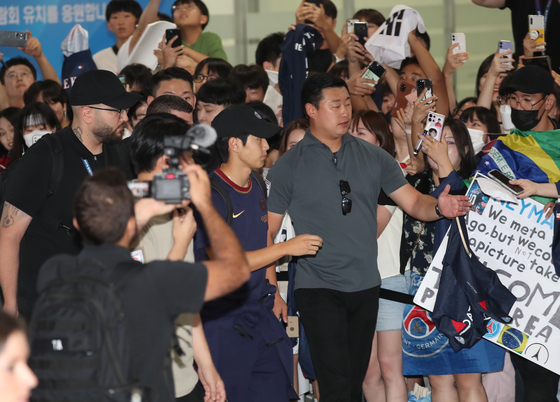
<point x="515" y="241"/>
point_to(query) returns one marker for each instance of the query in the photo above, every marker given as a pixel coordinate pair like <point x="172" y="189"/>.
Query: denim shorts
<point x="390" y="315"/>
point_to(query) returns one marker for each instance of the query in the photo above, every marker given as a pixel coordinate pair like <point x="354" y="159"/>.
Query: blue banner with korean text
<point x="51" y="21"/>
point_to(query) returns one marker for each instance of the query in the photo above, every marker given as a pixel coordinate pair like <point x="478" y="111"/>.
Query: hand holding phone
<point x="503" y="180"/>
<point x="424" y="84"/>
<point x="461" y="40"/>
<point x="504" y="46"/>
<point x="374" y="72"/>
<point x="170" y="34"/>
<point x="361" y="31"/>
<point x="433" y="128"/>
<point x="536" y="30"/>
<point x="13" y="38"/>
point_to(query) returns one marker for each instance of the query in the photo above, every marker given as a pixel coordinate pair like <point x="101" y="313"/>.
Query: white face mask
<point x="477" y="138"/>
<point x="33" y="137"/>
<point x="272" y="77"/>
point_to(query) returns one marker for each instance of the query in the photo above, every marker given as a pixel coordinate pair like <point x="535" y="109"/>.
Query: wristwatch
<point x="438" y="212"/>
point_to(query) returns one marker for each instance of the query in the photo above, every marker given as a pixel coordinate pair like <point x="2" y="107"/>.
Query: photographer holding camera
<point x="152" y="295"/>
<point x="169" y="236"/>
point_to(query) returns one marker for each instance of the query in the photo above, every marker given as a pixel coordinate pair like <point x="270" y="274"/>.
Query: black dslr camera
<point x="172" y="185"/>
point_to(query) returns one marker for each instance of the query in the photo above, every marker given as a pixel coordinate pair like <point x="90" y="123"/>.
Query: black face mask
<point x="525" y="120"/>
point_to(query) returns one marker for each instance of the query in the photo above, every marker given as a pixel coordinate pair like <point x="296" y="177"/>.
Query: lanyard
<point x="539" y="12"/>
<point x="88" y="167"/>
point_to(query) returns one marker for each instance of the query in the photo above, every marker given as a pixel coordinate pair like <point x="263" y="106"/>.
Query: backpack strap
<point x="55" y="146"/>
<point x="215" y="184"/>
<point x="261" y="182"/>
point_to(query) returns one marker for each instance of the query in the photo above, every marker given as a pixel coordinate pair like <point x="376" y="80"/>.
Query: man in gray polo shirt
<point x="329" y="183"/>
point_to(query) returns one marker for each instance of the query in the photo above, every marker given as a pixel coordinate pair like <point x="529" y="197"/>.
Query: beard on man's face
<point x="108" y="135"/>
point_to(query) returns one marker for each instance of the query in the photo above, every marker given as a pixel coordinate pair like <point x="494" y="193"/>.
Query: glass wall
<point x="243" y="23"/>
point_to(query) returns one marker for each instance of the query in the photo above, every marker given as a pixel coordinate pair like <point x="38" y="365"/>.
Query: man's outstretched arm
<point x="423" y="207"/>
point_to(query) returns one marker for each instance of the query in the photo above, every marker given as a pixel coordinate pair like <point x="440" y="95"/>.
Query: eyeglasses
<point x="524" y="104"/>
<point x="119" y="111"/>
<point x="209" y="77"/>
<point x="14" y="75"/>
<point x="346" y="202"/>
<point x="184" y="7"/>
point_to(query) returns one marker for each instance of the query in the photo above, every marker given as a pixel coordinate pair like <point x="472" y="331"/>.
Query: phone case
<point x="361" y="31"/>
<point x="503" y="180"/>
<point x="370" y="75"/>
<point x="170" y="33"/>
<point x="401" y="102"/>
<point x="421" y="84"/>
<point x="350" y="25"/>
<point x="434" y="125"/>
<point x="13" y="38"/>
<point x="461" y="40"/>
<point x="504" y="46"/>
<point x="536" y="29"/>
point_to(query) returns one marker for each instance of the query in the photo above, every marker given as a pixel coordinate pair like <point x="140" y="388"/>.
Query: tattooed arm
<point x="13" y="226"/>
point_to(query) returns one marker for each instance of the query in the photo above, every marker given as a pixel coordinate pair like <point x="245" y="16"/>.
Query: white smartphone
<point x="504" y="46"/>
<point x="350" y="25"/>
<point x="536" y="30"/>
<point x="461" y="40"/>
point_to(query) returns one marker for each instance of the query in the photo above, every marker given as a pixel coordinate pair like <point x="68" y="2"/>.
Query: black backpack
<point x="215" y="183"/>
<point x="79" y="345"/>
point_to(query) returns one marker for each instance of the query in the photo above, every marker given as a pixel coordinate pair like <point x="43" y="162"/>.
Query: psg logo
<point x="417" y="323"/>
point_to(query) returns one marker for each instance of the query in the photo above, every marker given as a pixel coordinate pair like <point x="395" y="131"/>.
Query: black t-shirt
<point x="27" y="191"/>
<point x="152" y="299"/>
<point x="320" y="61"/>
<point x="520" y="10"/>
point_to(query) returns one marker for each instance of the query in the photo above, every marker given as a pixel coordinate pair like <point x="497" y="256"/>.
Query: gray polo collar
<point x="310" y="139"/>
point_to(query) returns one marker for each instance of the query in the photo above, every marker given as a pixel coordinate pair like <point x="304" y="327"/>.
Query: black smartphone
<point x="421" y="85"/>
<point x="13" y="38"/>
<point x="374" y="72"/>
<point x="170" y="33"/>
<point x="361" y="31"/>
<point x="502" y="179"/>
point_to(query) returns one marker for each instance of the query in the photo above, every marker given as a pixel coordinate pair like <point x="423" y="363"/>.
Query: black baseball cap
<point x="242" y="119"/>
<point x="531" y="79"/>
<point x="101" y="86"/>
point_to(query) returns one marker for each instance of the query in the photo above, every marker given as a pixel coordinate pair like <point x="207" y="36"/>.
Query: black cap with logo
<point x="242" y="119"/>
<point x="101" y="86"/>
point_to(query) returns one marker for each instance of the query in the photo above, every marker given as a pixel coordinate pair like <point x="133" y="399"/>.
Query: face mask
<point x="272" y="77"/>
<point x="33" y="137"/>
<point x="477" y="139"/>
<point x="525" y="120"/>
